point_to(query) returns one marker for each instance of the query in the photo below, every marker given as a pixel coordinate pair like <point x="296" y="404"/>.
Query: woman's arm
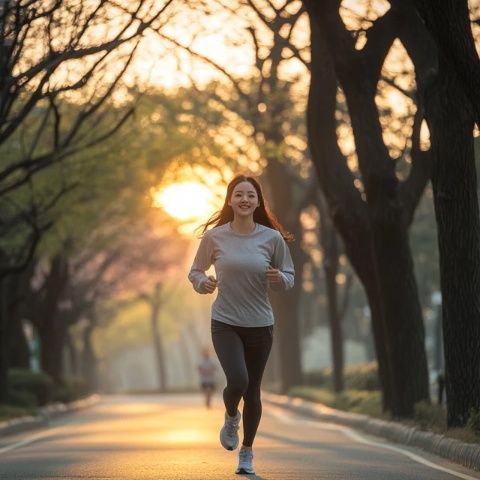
<point x="282" y="262"/>
<point x="202" y="262"/>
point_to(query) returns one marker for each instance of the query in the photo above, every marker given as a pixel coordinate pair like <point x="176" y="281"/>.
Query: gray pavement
<point x="175" y="437"/>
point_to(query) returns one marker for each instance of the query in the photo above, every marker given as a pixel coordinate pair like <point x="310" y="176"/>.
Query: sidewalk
<point x="466" y="454"/>
<point x="20" y="424"/>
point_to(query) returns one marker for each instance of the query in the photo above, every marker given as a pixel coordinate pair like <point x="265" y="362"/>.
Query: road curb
<point x="466" y="454"/>
<point x="20" y="424"/>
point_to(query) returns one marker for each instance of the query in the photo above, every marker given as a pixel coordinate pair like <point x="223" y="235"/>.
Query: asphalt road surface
<point x="173" y="437"/>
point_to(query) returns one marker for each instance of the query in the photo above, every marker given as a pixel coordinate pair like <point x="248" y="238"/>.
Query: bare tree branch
<point x="14" y="85"/>
<point x="235" y="82"/>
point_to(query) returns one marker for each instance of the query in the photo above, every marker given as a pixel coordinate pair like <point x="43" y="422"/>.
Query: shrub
<point x="321" y="378"/>
<point x="72" y="388"/>
<point x="473" y="422"/>
<point x="358" y="401"/>
<point x="430" y="416"/>
<point x="313" y="394"/>
<point x="38" y="384"/>
<point x="21" y="398"/>
<point x="362" y="376"/>
<point x="9" y="411"/>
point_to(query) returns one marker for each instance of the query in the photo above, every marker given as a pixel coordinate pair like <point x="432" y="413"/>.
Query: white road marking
<point x="29" y="440"/>
<point x="353" y="435"/>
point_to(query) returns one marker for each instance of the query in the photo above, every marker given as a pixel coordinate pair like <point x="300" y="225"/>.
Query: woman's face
<point x="244" y="199"/>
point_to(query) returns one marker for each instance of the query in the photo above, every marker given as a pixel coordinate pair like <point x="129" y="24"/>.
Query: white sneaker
<point x="245" y="462"/>
<point x="229" y="431"/>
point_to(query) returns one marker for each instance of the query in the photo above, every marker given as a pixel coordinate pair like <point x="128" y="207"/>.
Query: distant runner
<point x="206" y="369"/>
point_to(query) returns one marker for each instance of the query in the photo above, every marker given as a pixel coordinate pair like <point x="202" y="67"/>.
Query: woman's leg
<point x="230" y="351"/>
<point x="258" y="343"/>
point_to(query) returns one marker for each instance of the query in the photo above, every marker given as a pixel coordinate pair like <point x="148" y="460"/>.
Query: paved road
<point x="175" y="438"/>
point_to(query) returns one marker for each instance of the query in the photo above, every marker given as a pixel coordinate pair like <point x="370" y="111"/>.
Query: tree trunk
<point x="157" y="338"/>
<point x="51" y="328"/>
<point x="450" y="25"/>
<point x="405" y="330"/>
<point x="336" y="334"/>
<point x="89" y="359"/>
<point x="450" y="119"/>
<point x="72" y="354"/>
<point x="286" y="304"/>
<point x="3" y="343"/>
<point x="329" y="242"/>
<point x="18" y="349"/>
<point x="367" y="274"/>
<point x="52" y="340"/>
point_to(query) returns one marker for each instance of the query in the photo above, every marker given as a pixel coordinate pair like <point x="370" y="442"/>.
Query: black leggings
<point x="243" y="353"/>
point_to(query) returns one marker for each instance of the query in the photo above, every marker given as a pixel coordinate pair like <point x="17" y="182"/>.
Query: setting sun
<point x="185" y="201"/>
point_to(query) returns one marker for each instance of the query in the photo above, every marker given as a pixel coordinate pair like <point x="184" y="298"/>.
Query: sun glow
<point x="185" y="201"/>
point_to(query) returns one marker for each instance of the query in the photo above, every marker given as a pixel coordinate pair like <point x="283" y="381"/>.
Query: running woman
<point x="246" y="244"/>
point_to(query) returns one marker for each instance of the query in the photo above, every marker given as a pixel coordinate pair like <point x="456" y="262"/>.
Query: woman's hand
<point x="211" y="284"/>
<point x="273" y="275"/>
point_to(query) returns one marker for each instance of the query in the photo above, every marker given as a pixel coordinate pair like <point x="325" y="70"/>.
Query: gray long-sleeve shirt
<point x="240" y="262"/>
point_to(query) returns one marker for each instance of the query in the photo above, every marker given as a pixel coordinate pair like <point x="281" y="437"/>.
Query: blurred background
<point x="121" y="123"/>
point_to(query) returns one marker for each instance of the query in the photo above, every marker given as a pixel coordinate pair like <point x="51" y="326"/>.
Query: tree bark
<point x="10" y="299"/>
<point x="155" y="303"/>
<point x="89" y="359"/>
<point x="51" y="349"/>
<point x="51" y="328"/>
<point x="331" y="256"/>
<point x="405" y="330"/>
<point x="285" y="306"/>
<point x="450" y="119"/>
<point x="73" y="354"/>
<point x="3" y="343"/>
<point x="18" y="349"/>
<point x="449" y="24"/>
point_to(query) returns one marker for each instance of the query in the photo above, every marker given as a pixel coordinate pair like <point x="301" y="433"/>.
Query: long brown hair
<point x="262" y="213"/>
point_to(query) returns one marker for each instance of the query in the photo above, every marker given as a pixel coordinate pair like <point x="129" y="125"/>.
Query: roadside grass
<point x="366" y="402"/>
<point x="428" y="417"/>
<point x="7" y="412"/>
